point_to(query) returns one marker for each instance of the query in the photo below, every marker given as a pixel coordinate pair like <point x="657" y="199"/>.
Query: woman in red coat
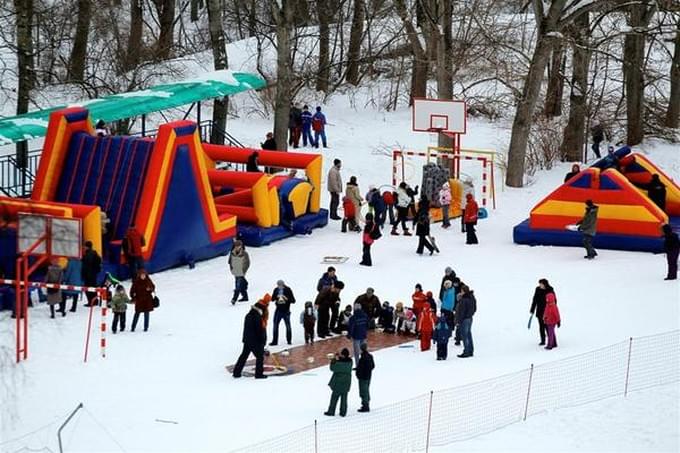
<point x="470" y="219"/>
<point x="141" y="295"/>
<point x="426" y="323"/>
<point x="551" y="317"/>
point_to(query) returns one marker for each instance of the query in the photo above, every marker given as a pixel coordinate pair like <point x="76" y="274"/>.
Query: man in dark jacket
<point x="254" y="339"/>
<point x="370" y="304"/>
<point x="357" y="330"/>
<point x="671" y="245"/>
<point x="423" y="232"/>
<point x="282" y="296"/>
<point x="91" y="266"/>
<point x="588" y="226"/>
<point x="252" y="164"/>
<point x="538" y="306"/>
<point x="656" y="191"/>
<point x="364" y="370"/>
<point x="465" y="309"/>
<point x="449" y="275"/>
<point x="328" y="279"/>
<point x="597" y="133"/>
<point x="269" y="143"/>
<point x="326" y="301"/>
<point x="295" y="125"/>
<point x="306" y="119"/>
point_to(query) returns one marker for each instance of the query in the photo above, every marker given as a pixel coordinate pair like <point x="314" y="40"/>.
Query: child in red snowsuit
<point x="551" y="317"/>
<point x="349" y="217"/>
<point x="426" y="325"/>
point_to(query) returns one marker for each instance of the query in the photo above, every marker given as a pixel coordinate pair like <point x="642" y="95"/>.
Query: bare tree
<point x="553" y="97"/>
<point x="574" y="133"/>
<point x="219" y="51"/>
<point x="639" y="15"/>
<point x="355" y="40"/>
<point x="79" y="51"/>
<point x="673" y="111"/>
<point x="134" y="43"/>
<point x="166" y="21"/>
<point x="420" y="60"/>
<point x="324" y="13"/>
<point x="283" y="13"/>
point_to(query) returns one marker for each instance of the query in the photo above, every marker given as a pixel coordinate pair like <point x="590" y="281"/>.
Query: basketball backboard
<point x="439" y="115"/>
<point x="63" y="235"/>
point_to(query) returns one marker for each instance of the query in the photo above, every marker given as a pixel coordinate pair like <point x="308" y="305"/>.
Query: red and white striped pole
<point x="484" y="162"/>
<point x="102" y="342"/>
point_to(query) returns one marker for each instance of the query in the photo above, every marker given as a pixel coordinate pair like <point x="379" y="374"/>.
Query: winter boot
<point x="407" y="233"/>
<point x="394" y="232"/>
<point x="363" y="409"/>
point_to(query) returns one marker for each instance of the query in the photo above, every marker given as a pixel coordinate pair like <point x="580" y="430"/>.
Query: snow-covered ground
<point x="175" y="372"/>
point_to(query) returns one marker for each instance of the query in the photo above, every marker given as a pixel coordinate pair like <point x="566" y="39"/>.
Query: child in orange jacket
<point x="426" y="323"/>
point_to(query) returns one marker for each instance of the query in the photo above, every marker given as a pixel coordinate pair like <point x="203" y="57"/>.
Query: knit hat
<point x="280" y="283"/>
<point x="448" y="270"/>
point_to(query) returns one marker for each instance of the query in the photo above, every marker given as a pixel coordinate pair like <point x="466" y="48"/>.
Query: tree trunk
<point x="673" y="112"/>
<point x="521" y="125"/>
<point x="420" y="61"/>
<point x="25" y="68"/>
<point x="633" y="71"/>
<point x="574" y="133"/>
<point x="76" y="72"/>
<point x="219" y="51"/>
<point x="553" y="97"/>
<point x="324" y="71"/>
<point x="284" y="27"/>
<point x="252" y="18"/>
<point x="135" y="38"/>
<point x="355" y="40"/>
<point x="166" y="19"/>
<point x="445" y="62"/>
<point x="195" y="7"/>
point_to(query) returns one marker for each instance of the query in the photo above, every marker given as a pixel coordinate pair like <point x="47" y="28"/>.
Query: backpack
<point x="375" y="232"/>
<point x="317" y="124"/>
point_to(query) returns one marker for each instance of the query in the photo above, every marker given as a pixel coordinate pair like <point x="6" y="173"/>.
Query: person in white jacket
<point x="403" y="202"/>
<point x="445" y="203"/>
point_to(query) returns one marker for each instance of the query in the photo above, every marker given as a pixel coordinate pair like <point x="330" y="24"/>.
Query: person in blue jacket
<point x="448" y="302"/>
<point x="319" y="126"/>
<point x="441" y="335"/>
<point x="375" y="201"/>
<point x="306" y="117"/>
<point x="72" y="276"/>
<point x="357" y="330"/>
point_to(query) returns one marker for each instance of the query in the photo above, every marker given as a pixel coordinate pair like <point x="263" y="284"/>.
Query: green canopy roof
<point x="127" y="105"/>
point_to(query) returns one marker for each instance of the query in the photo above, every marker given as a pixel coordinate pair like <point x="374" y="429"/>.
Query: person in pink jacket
<point x="551" y="317"/>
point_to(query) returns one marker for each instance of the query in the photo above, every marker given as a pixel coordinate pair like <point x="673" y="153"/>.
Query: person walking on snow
<point x="371" y="234"/>
<point x="671" y="245"/>
<point x="377" y="203"/>
<point x="423" y="232"/>
<point x="403" y="202"/>
<point x="340" y="382"/>
<point x="426" y="323"/>
<point x="119" y="303"/>
<point x="55" y="274"/>
<point x="470" y="217"/>
<point x="319" y="126"/>
<point x="441" y="336"/>
<point x="419" y="300"/>
<point x="239" y="262"/>
<point x="73" y="275"/>
<point x="308" y="319"/>
<point x="141" y="294"/>
<point x="538" y="305"/>
<point x="445" y="203"/>
<point x="306" y="118"/>
<point x="254" y="339"/>
<point x="357" y="330"/>
<point x="465" y="309"/>
<point x="335" y="188"/>
<point x="91" y="266"/>
<point x="588" y="227"/>
<point x="282" y="296"/>
<point x="352" y="191"/>
<point x="364" y="371"/>
<point x="551" y="318"/>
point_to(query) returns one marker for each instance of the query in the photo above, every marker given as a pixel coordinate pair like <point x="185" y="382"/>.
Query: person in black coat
<point x="254" y="339"/>
<point x="465" y="309"/>
<point x="269" y="143"/>
<point x="656" y="191"/>
<point x="282" y="296"/>
<point x="575" y="170"/>
<point x="251" y="165"/>
<point x="327" y="303"/>
<point x="91" y="267"/>
<point x="364" y="371"/>
<point x="327" y="279"/>
<point x="671" y="245"/>
<point x="597" y="134"/>
<point x="538" y="305"/>
<point x="371" y="234"/>
<point x="423" y="231"/>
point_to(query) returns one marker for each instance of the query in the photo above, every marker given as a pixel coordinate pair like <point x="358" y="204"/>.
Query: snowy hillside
<point x="167" y="390"/>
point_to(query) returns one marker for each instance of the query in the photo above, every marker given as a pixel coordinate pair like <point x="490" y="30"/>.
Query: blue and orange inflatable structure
<point x="627" y="218"/>
<point x="169" y="187"/>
